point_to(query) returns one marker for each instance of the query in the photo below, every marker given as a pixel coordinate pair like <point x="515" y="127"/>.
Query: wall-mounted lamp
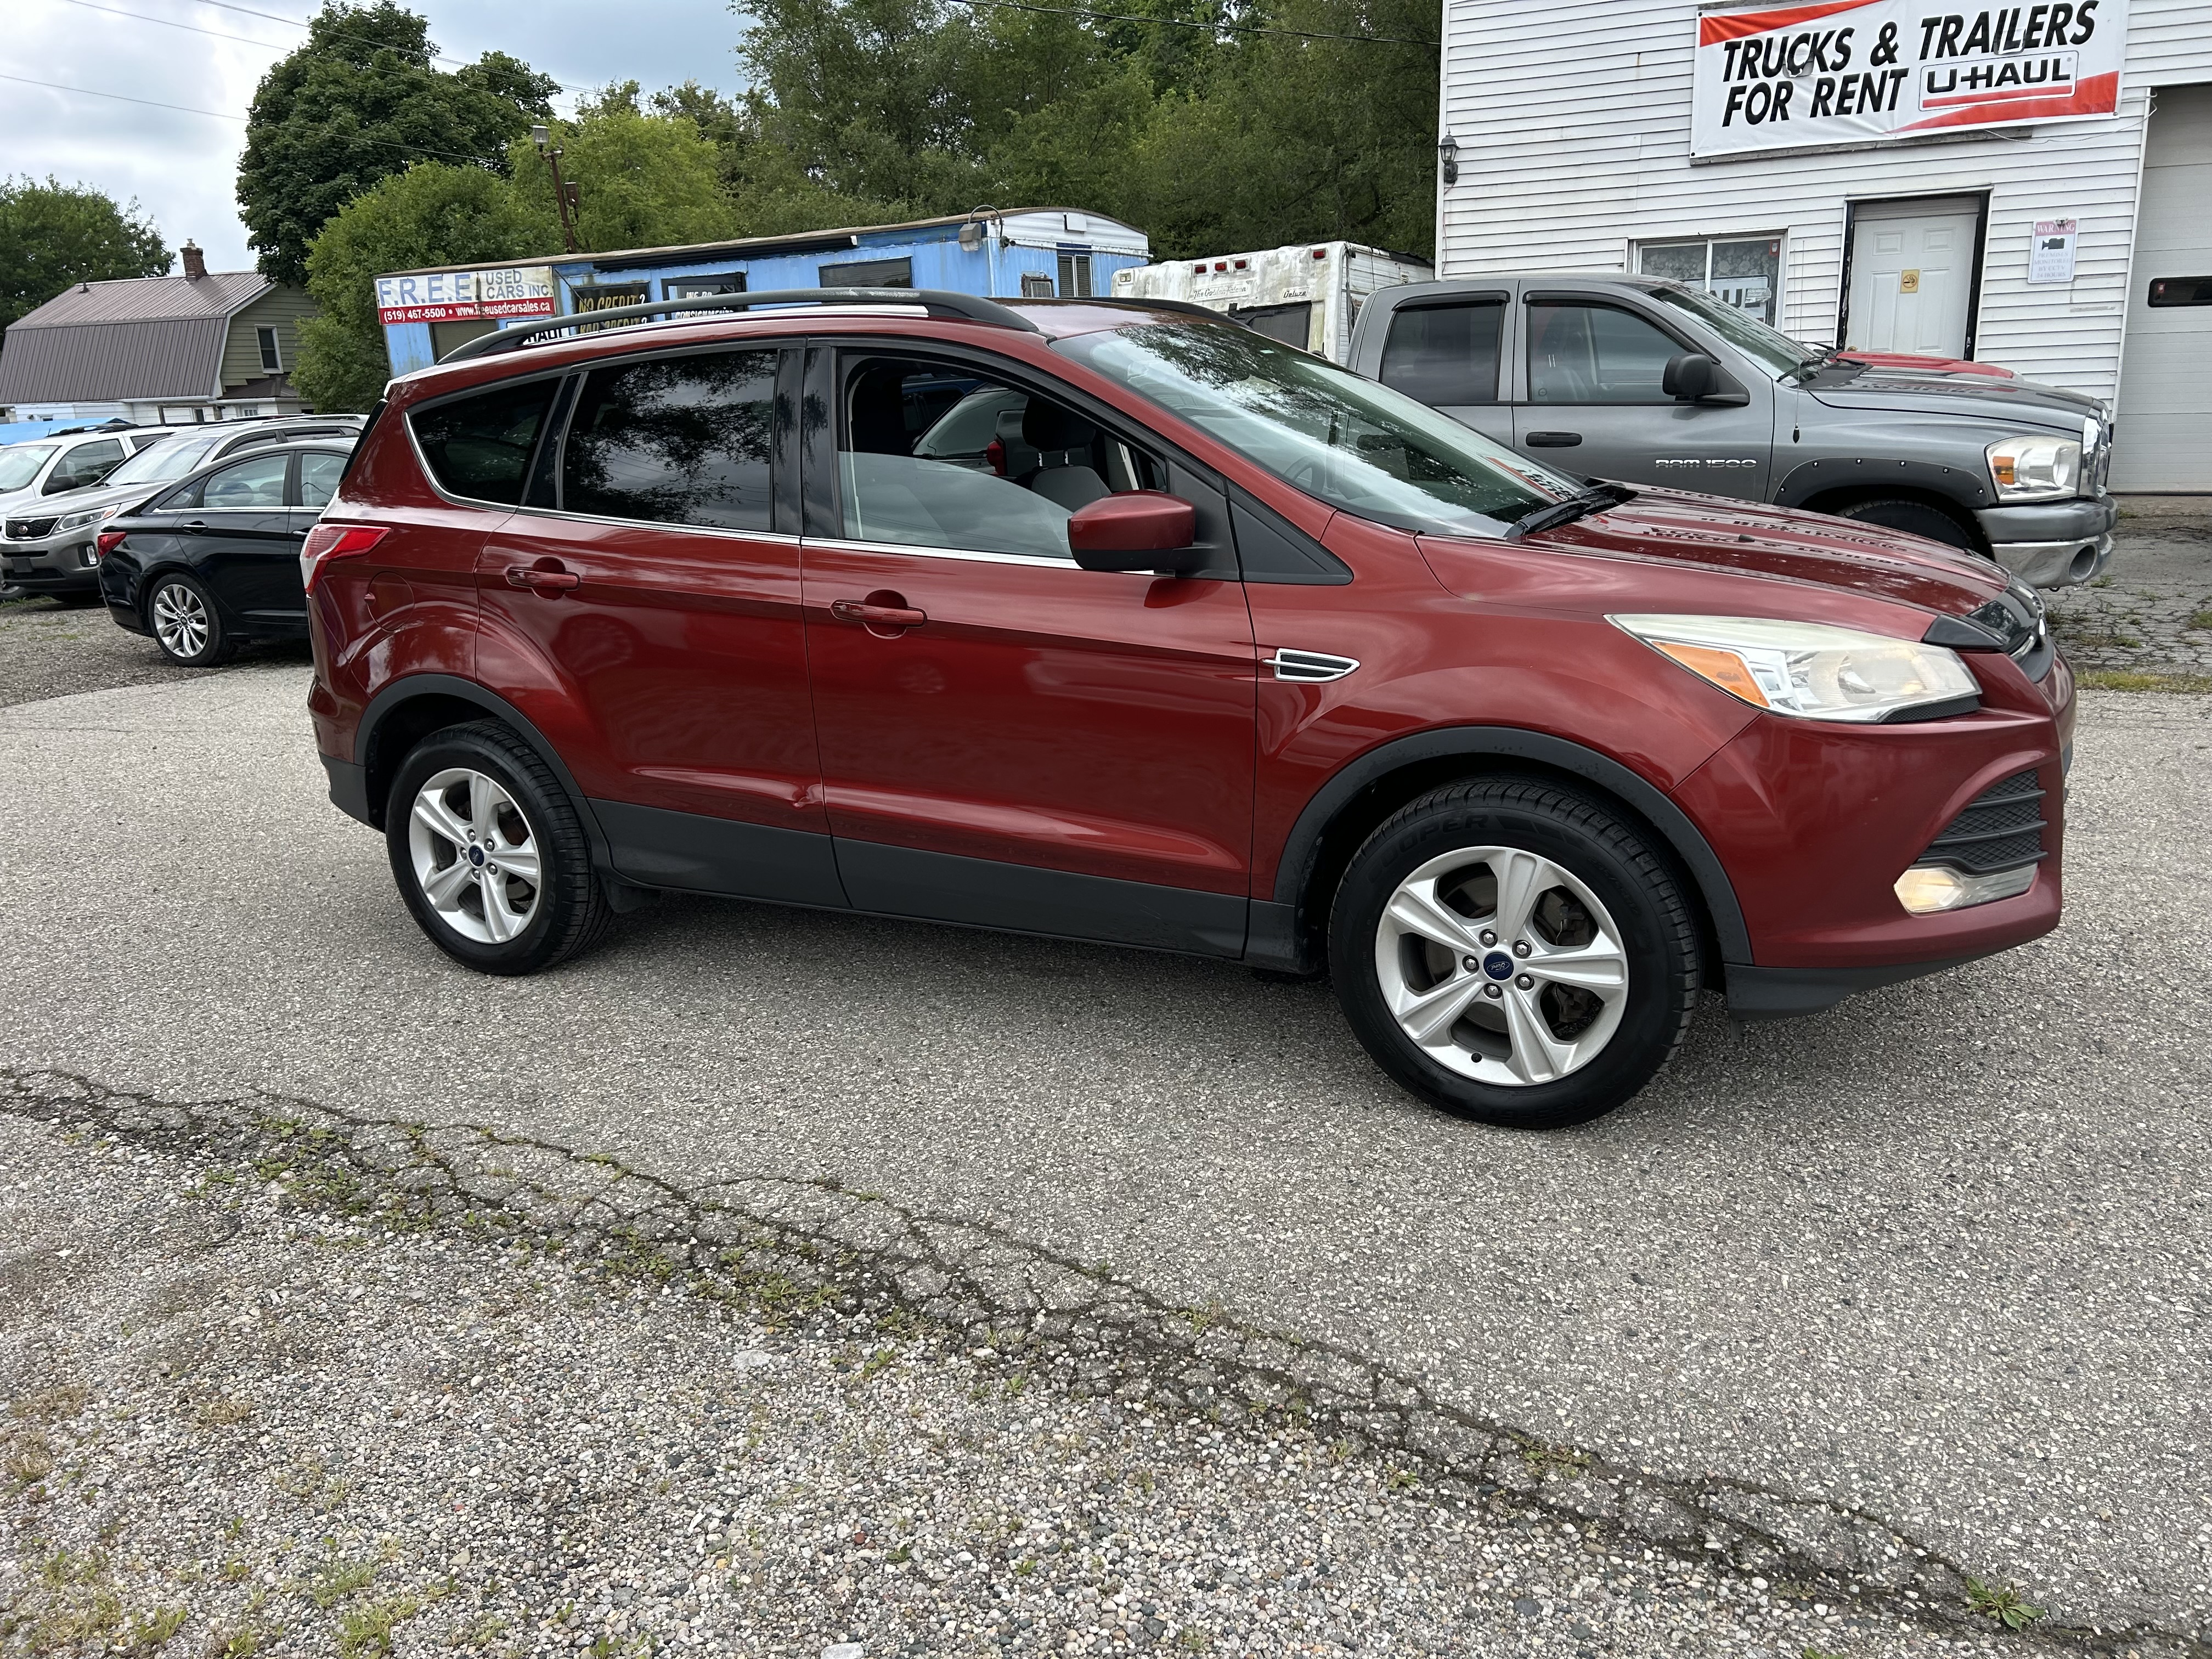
<point x="977" y="227"/>
<point x="1448" y="158"/>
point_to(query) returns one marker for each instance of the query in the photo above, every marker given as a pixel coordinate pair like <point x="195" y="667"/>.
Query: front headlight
<point x="2035" y="468"/>
<point x="81" y="520"/>
<point x="1811" y="670"/>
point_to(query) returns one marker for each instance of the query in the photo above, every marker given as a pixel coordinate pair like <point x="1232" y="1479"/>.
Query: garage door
<point x="2165" y="372"/>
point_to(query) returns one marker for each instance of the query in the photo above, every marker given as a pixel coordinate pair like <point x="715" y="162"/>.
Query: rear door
<point x="1008" y="739"/>
<point x="242" y="541"/>
<point x="1451" y="354"/>
<point x="1593" y="401"/>
<point x="646" y="598"/>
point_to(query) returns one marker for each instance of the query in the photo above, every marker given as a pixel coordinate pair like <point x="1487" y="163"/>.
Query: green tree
<point x="642" y="180"/>
<point x="434" y="214"/>
<point x="358" y="103"/>
<point x="53" y="236"/>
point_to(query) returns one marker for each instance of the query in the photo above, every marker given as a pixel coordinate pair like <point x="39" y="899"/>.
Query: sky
<point x="183" y="167"/>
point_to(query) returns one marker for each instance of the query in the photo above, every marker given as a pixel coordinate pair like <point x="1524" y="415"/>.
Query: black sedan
<point x="214" y="560"/>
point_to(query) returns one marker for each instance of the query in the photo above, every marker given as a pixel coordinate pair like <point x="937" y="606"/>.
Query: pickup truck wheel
<point x="1513" y="952"/>
<point x="490" y="854"/>
<point x="1917" y="517"/>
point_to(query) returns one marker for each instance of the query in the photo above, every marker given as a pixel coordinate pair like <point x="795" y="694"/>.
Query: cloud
<point x="182" y="168"/>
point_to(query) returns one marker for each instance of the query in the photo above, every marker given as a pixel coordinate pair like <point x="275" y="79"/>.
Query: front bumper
<point x="65" y="563"/>
<point x="2052" y="543"/>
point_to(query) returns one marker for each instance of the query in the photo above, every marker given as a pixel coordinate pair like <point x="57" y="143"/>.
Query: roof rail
<point x="938" y="302"/>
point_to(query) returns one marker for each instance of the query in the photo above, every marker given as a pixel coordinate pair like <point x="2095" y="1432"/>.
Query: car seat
<point x="1065" y="443"/>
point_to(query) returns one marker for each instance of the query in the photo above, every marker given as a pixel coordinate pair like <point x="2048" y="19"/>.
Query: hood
<point x="1744" y="538"/>
<point x="91" y="498"/>
<point x="1981" y="397"/>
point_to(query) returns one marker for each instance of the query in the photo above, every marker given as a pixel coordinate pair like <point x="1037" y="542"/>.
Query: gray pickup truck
<point x="1650" y="381"/>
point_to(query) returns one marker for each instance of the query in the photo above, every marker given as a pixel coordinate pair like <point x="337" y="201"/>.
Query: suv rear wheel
<point x="490" y="854"/>
<point x="1515" y="953"/>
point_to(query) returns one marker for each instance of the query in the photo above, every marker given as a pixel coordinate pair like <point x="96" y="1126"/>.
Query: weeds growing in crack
<point x="2001" y="1603"/>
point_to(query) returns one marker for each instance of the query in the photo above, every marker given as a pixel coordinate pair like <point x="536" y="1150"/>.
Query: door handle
<point x="1553" y="439"/>
<point x="543" y="582"/>
<point x="871" y="615"/>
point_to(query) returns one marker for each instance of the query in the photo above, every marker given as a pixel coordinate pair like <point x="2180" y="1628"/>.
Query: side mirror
<point x="1694" y="378"/>
<point x="1137" y="529"/>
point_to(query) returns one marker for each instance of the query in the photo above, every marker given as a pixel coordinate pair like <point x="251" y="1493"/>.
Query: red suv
<point x="1125" y="623"/>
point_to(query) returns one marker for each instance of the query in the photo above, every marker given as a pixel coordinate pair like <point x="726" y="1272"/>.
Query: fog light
<point x="87" y="555"/>
<point x="1925" y="890"/>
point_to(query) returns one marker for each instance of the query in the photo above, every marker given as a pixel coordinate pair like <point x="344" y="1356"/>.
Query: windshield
<point x="1782" y="354"/>
<point x="172" y="458"/>
<point x="20" y="464"/>
<point x="1344" y="441"/>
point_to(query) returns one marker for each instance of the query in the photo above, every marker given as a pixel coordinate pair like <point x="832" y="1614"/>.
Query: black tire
<point x="171" y="602"/>
<point x="568" y="912"/>
<point x="1657" y="935"/>
<point x="1914" y="517"/>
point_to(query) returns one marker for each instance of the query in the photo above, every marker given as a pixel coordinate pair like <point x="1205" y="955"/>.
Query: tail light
<point x="334" y="541"/>
<point x="109" y="540"/>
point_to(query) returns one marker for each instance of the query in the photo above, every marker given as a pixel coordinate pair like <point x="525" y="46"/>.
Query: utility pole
<point x="564" y="194"/>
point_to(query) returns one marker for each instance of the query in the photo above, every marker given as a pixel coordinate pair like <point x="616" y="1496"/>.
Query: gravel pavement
<point x="2147" y="620"/>
<point x="51" y="650"/>
<point x="1937" y="1260"/>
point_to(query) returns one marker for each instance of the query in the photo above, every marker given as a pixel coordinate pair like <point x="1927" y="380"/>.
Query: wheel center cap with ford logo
<point x="477" y="857"/>
<point x="1498" y="965"/>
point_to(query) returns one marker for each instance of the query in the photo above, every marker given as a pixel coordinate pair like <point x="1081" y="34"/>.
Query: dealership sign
<point x="455" y="296"/>
<point x="1855" y="71"/>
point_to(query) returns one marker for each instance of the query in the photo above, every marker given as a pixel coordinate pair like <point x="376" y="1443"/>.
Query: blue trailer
<point x="1033" y="252"/>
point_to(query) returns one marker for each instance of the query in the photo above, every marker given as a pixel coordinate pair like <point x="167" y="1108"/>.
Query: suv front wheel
<point x="490" y="854"/>
<point x="1515" y="953"/>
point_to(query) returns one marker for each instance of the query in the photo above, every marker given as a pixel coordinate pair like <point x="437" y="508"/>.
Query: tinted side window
<point x="88" y="464"/>
<point x="1445" y="355"/>
<point x="319" y="471"/>
<point x="259" y="482"/>
<point x="479" y="447"/>
<point x="1595" y="355"/>
<point x="678" y="440"/>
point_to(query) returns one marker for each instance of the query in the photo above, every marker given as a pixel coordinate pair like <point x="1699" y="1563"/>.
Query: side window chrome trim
<point x="839" y="544"/>
<point x="644" y="524"/>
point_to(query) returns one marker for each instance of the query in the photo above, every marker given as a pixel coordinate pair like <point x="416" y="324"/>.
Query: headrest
<point x="1053" y="426"/>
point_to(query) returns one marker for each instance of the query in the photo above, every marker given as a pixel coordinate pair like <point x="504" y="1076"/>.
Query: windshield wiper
<point x="1553" y="514"/>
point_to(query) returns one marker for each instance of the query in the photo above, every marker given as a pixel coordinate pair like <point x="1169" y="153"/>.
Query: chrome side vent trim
<point x="1310" y="666"/>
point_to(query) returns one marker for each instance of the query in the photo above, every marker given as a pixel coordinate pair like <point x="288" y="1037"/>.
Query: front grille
<point x="2001" y="829"/>
<point x="29" y="530"/>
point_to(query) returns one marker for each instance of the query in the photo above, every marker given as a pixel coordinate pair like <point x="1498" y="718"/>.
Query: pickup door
<point x="1590" y="399"/>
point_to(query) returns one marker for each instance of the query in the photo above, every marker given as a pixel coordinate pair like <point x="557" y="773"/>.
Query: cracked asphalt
<point x="1941" y="1254"/>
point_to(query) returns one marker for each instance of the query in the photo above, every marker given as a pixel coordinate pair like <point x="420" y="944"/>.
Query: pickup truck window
<point x="1347" y="441"/>
<point x="1444" y="356"/>
<point x="1781" y="355"/>
<point x="1591" y="354"/>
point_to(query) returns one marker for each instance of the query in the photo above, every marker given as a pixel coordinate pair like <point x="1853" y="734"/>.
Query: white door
<point x="1913" y="275"/>
<point x="2165" y="413"/>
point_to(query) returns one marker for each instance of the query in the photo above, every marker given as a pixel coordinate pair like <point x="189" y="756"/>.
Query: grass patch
<point x="2134" y="679"/>
<point x="366" y="1631"/>
<point x="335" y="1579"/>
<point x="2199" y="620"/>
<point x="2001" y="1603"/>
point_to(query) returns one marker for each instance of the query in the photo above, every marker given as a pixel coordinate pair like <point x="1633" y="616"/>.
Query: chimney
<point x="195" y="262"/>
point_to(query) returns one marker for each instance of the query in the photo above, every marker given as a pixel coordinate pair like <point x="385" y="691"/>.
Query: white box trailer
<point x="1305" y="296"/>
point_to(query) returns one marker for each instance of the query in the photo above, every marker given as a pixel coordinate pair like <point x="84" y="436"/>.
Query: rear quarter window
<point x="479" y="445"/>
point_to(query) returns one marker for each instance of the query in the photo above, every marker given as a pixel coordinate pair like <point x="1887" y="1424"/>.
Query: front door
<point x="1594" y="403"/>
<point x="1008" y="739"/>
<point x="644" y="571"/>
<point x="1913" y="275"/>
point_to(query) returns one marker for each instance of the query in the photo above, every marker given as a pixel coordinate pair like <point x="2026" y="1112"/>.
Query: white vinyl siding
<point x="1573" y="124"/>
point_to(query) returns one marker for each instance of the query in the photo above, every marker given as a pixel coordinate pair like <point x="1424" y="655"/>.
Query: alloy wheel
<point x="180" y="620"/>
<point x="1502" y="966"/>
<point x="474" y="855"/>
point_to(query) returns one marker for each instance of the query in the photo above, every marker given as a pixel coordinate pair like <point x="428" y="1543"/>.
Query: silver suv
<point x="48" y="540"/>
<point x="1655" y="382"/>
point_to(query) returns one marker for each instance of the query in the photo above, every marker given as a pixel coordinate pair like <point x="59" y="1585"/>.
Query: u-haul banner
<point x="1848" y="71"/>
<point x="453" y="297"/>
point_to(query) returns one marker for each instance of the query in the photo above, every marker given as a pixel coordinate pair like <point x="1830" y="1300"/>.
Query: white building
<point x="1856" y="187"/>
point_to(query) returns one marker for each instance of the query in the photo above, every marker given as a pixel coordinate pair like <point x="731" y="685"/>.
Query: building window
<point x="271" y="362"/>
<point x="1745" y="271"/>
<point x="1074" y="276"/>
<point x="869" y="273"/>
<point x="694" y="287"/>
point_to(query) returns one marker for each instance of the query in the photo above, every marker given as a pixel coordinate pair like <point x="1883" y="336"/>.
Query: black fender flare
<point x="412" y="686"/>
<point x="1962" y="488"/>
<point x="1477" y="743"/>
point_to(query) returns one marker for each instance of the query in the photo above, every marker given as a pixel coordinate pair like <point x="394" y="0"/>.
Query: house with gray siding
<point x="205" y="345"/>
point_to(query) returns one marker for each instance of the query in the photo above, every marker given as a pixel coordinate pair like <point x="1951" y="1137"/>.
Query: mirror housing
<point x="1692" y="377"/>
<point x="1136" y="530"/>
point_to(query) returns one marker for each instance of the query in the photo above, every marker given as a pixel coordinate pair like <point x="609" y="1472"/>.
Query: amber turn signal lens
<point x="1723" y="668"/>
